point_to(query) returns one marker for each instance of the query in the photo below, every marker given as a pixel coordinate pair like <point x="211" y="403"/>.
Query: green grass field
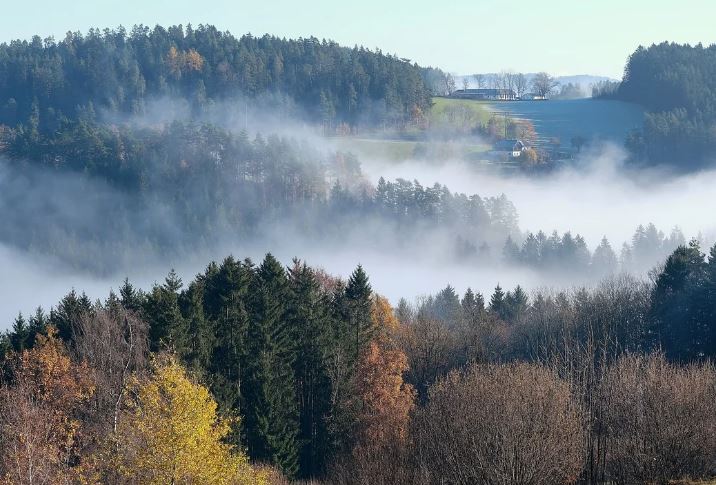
<point x="399" y="150"/>
<point x="447" y="116"/>
<point x="458" y="114"/>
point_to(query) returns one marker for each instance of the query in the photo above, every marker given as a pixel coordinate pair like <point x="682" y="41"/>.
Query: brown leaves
<point x="386" y="399"/>
<point x="39" y="406"/>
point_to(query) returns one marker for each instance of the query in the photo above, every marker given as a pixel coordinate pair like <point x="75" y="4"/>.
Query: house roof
<point x="509" y="146"/>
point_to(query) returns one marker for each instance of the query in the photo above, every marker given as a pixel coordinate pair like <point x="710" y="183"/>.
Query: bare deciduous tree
<point x="659" y="420"/>
<point x="543" y="84"/>
<point x="502" y="425"/>
<point x="480" y="80"/>
<point x="520" y="84"/>
<point x="114" y="343"/>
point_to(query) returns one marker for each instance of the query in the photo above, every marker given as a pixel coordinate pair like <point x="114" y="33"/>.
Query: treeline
<point x="676" y="314"/>
<point x="570" y="254"/>
<point x="321" y="378"/>
<point x="185" y="185"/>
<point x="675" y="83"/>
<point x="614" y="384"/>
<point x="43" y="81"/>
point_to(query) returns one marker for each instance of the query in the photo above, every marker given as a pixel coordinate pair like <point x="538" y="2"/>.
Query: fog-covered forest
<point x="461" y="313"/>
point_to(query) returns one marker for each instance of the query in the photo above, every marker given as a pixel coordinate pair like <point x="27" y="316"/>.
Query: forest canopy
<point x="44" y="81"/>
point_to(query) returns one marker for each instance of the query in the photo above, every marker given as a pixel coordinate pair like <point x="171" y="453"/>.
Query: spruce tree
<point x="130" y="298"/>
<point x="358" y="305"/>
<point x="168" y="328"/>
<point x="270" y="410"/>
<point x="226" y="291"/>
<point x="497" y="302"/>
<point x="19" y="337"/>
<point x="674" y="313"/>
<point x="200" y="332"/>
<point x="68" y="311"/>
<point x="309" y="316"/>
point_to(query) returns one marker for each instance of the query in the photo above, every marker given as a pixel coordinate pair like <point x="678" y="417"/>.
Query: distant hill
<point x="677" y="85"/>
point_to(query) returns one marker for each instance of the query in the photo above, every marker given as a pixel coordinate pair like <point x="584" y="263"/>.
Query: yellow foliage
<point x="171" y="433"/>
<point x="174" y="60"/>
<point x="382" y="315"/>
<point x="194" y="61"/>
<point x="180" y="61"/>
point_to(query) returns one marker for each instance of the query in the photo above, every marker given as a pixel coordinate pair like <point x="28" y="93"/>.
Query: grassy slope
<point x="447" y="116"/>
<point x="458" y="114"/>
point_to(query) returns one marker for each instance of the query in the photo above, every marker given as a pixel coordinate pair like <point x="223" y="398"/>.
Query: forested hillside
<point x="42" y="82"/>
<point x="95" y="189"/>
<point x="318" y="377"/>
<point x="677" y="84"/>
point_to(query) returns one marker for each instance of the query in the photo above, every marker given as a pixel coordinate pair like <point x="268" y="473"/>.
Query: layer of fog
<point x="595" y="197"/>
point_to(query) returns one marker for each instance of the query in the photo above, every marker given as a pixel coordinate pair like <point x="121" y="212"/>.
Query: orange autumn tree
<point x="386" y="399"/>
<point x="40" y="403"/>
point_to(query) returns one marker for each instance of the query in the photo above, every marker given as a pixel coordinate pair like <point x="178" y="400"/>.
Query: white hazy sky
<point x="462" y="36"/>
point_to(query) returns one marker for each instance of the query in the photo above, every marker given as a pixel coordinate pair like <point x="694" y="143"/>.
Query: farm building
<point x="512" y="148"/>
<point x="486" y="94"/>
<point x="533" y="97"/>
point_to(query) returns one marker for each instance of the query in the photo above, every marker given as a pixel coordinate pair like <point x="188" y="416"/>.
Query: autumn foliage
<point x="386" y="400"/>
<point x="40" y="405"/>
<point x="170" y="433"/>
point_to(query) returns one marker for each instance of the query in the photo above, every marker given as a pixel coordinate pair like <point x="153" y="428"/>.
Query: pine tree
<point x="226" y="291"/>
<point x="358" y="301"/>
<point x="19" y="337"/>
<point x="706" y="307"/>
<point x="199" y="329"/>
<point x="270" y="396"/>
<point x="604" y="260"/>
<point x="68" y="311"/>
<point x="168" y="327"/>
<point x="673" y="311"/>
<point x="497" y="302"/>
<point x="511" y="252"/>
<point x="309" y="315"/>
<point x="130" y="298"/>
<point x="515" y="305"/>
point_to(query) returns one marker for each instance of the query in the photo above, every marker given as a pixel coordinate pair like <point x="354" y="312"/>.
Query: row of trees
<point x="321" y="378"/>
<point x="119" y="71"/>
<point x="673" y="314"/>
<point x="570" y="254"/>
<point x="540" y="83"/>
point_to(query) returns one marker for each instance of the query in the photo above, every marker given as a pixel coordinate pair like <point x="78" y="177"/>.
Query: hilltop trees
<point x="674" y="83"/>
<point x="44" y="81"/>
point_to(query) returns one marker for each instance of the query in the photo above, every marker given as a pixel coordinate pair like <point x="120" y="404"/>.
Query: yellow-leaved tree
<point x="170" y="434"/>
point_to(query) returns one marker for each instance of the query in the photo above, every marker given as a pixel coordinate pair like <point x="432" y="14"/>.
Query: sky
<point x="461" y="36"/>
